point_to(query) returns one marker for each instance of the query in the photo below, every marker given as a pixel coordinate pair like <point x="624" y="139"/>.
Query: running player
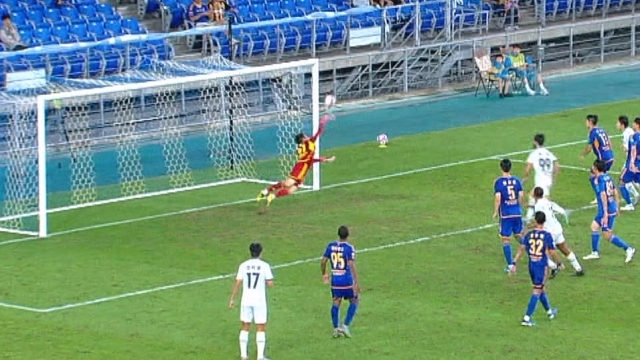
<point x="538" y="244"/>
<point x="254" y="275"/>
<point x="599" y="143"/>
<point x="508" y="198"/>
<point x="608" y="200"/>
<point x="553" y="226"/>
<point x="546" y="166"/>
<point x="306" y="151"/>
<point x="627" y="179"/>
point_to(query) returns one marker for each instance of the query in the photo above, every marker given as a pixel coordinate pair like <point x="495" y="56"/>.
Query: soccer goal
<point x="81" y="147"/>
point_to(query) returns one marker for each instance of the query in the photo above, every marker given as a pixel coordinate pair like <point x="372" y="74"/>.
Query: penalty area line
<point x="571" y="167"/>
<point x="326" y="187"/>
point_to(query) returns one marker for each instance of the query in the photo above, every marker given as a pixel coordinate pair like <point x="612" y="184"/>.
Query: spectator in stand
<point x="199" y="13"/>
<point x="525" y="69"/>
<point x="219" y="9"/>
<point x="381" y="3"/>
<point x="9" y="34"/>
<point x="512" y="14"/>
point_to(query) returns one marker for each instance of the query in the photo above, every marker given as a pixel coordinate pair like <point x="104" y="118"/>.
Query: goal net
<point x="95" y="142"/>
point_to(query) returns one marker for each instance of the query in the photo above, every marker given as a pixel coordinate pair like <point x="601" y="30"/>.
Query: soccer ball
<point x="329" y="101"/>
<point x="383" y="140"/>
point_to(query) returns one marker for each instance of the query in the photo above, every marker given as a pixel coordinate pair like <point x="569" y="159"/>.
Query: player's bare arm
<point x="356" y="282"/>
<point x="234" y="293"/>
<point x="633" y="157"/>
<point x="323" y="270"/>
<point x="554" y="255"/>
<point x="556" y="169"/>
<point x="496" y="205"/>
<point x="617" y="199"/>
<point x="517" y="258"/>
<point x="527" y="172"/>
<point x="586" y="151"/>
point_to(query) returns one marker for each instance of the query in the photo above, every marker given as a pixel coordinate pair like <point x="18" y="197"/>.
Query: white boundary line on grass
<point x="569" y="167"/>
<point x="327" y="187"/>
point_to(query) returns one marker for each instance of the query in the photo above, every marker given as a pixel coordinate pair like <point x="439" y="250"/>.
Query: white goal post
<point x="78" y="148"/>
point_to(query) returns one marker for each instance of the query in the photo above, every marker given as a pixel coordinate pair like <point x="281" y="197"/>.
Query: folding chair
<point x="486" y="78"/>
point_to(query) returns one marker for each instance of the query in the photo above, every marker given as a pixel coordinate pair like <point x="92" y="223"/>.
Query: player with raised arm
<point x="254" y="275"/>
<point x="508" y="197"/>
<point x="553" y="226"/>
<point x="627" y="177"/>
<point x="608" y="199"/>
<point x="306" y="151"/>
<point x="599" y="143"/>
<point x="545" y="166"/>
<point x="341" y="256"/>
<point x="538" y="244"/>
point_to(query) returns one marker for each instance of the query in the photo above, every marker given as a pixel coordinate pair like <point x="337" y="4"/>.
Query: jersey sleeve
<point x="600" y="185"/>
<point x="268" y="273"/>
<point x="327" y="252"/>
<point x="591" y="137"/>
<point x="525" y="239"/>
<point x="496" y="187"/>
<point x="350" y="255"/>
<point x="239" y="275"/>
<point x="532" y="158"/>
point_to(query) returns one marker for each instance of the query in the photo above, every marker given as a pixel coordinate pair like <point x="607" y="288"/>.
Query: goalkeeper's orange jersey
<point x="306" y="151"/>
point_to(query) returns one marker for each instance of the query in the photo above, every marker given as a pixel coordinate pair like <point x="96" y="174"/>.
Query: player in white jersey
<point x="631" y="188"/>
<point x="553" y="226"/>
<point x="545" y="166"/>
<point x="254" y="275"/>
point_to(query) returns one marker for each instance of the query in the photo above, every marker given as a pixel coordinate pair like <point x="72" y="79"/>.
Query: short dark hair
<point x="516" y="46"/>
<point x="255" y="249"/>
<point x="505" y="165"/>
<point x="499" y="56"/>
<point x="623" y="120"/>
<point x="538" y="192"/>
<point x="539" y="139"/>
<point x="540" y="217"/>
<point x="299" y="138"/>
<point x="592" y="119"/>
<point x="637" y="121"/>
<point x="599" y="165"/>
<point x="5" y="17"/>
<point x="343" y="232"/>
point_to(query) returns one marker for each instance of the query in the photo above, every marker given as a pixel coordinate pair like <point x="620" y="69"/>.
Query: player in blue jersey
<point x="538" y="244"/>
<point x="599" y="143"/>
<point x="343" y="278"/>
<point x="509" y="196"/>
<point x="627" y="179"/>
<point x="608" y="199"/>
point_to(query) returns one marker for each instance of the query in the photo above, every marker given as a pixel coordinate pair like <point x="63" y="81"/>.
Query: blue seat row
<point x="562" y="8"/>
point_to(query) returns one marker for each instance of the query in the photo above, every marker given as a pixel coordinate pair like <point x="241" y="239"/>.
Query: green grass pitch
<point x="430" y="264"/>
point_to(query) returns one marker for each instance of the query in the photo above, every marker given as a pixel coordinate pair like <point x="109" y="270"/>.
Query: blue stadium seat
<point x="151" y="6"/>
<point x="107" y="12"/>
<point x="114" y="27"/>
<point x="11" y="4"/>
<point x="323" y="34"/>
<point x="259" y="11"/>
<point x="26" y="35"/>
<point x="322" y="5"/>
<point x="36" y="17"/>
<point x="44" y="36"/>
<point x="57" y="66"/>
<point x="175" y="12"/>
<point x="76" y="63"/>
<point x="244" y="14"/>
<point x="305" y="6"/>
<point x="289" y="7"/>
<point x="340" y="5"/>
<point x="338" y="28"/>
<point x="19" y="19"/>
<point x="289" y="38"/>
<point x="72" y="15"/>
<point x="112" y="59"/>
<point x="97" y="30"/>
<point x="61" y="33"/>
<point x="80" y="33"/>
<point x="132" y="26"/>
<point x="54" y="17"/>
<point x="615" y="5"/>
<point x="274" y="9"/>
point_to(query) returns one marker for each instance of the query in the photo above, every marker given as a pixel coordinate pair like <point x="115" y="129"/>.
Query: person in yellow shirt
<point x="524" y="68"/>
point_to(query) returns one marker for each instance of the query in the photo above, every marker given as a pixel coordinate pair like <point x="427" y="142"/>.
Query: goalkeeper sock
<point x="282" y="192"/>
<point x="275" y="187"/>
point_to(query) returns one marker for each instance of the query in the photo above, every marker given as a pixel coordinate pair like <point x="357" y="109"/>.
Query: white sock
<point x="632" y="190"/>
<point x="574" y="261"/>
<point x="552" y="264"/>
<point x="542" y="88"/>
<point x="528" y="87"/>
<point x="244" y="342"/>
<point x="261" y="340"/>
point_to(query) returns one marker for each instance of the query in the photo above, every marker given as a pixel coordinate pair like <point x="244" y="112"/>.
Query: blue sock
<point x="351" y="313"/>
<point x="545" y="301"/>
<point x="619" y="242"/>
<point x="595" y="241"/>
<point x="506" y="250"/>
<point x="335" y="315"/>
<point x="625" y="194"/>
<point x="533" y="302"/>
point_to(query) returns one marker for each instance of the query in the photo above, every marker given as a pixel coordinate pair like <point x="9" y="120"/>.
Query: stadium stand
<point x="46" y="23"/>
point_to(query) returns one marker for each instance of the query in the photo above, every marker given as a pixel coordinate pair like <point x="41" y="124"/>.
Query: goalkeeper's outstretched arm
<point x="323" y="122"/>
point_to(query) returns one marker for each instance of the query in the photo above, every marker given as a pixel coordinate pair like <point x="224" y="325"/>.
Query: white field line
<point x="327" y="187"/>
<point x="230" y="275"/>
<point x="570" y="167"/>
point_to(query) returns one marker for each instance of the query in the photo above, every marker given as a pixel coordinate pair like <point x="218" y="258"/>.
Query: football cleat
<point x="552" y="313"/>
<point x="592" y="256"/>
<point x="554" y="273"/>
<point x="336" y="333"/>
<point x="344" y="329"/>
<point x="628" y="207"/>
<point x="527" y="323"/>
<point x="579" y="273"/>
<point x="270" y="198"/>
<point x="631" y="252"/>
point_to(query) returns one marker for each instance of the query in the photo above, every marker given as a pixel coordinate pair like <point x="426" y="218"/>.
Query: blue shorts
<point x="342" y="293"/>
<point x="529" y="74"/>
<point x="628" y="177"/>
<point x="608" y="165"/>
<point x="611" y="220"/>
<point x="511" y="226"/>
<point x="538" y="273"/>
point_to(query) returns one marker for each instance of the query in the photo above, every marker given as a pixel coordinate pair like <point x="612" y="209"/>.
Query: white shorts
<point x="558" y="239"/>
<point x="253" y="314"/>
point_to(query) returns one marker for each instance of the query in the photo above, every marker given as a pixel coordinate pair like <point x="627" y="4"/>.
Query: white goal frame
<point x="44" y="101"/>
